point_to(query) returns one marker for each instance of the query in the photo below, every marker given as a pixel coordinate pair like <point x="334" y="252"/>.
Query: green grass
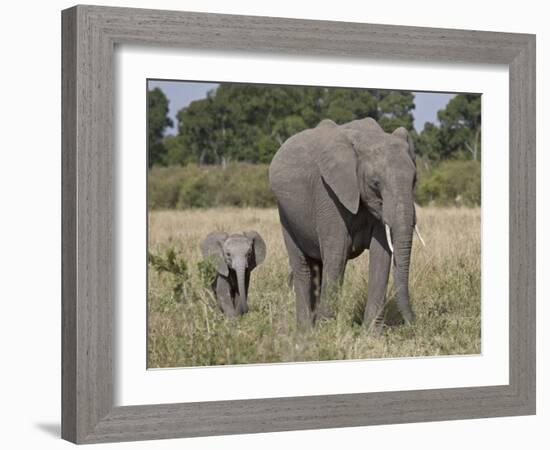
<point x="186" y="328"/>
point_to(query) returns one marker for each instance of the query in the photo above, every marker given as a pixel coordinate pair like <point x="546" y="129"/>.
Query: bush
<point x="176" y="266"/>
<point x="163" y="186"/>
<point x="192" y="186"/>
<point x="453" y="182"/>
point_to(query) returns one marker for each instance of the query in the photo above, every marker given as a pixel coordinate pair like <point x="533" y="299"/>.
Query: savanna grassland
<point x="186" y="328"/>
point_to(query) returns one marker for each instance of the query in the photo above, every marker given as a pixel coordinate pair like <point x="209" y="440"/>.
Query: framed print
<point x="268" y="222"/>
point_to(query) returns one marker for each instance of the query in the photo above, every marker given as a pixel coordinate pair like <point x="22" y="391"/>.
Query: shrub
<point x="453" y="182"/>
<point x="163" y="185"/>
<point x="207" y="271"/>
<point x="176" y="266"/>
<point x="192" y="186"/>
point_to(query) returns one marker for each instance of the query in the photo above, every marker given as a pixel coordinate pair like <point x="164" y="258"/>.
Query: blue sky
<point x="181" y="93"/>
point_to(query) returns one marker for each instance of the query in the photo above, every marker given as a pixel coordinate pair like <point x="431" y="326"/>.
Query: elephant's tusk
<point x="388" y="237"/>
<point x="418" y="234"/>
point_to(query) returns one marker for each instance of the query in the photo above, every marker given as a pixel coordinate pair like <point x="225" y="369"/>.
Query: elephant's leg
<point x="379" y="269"/>
<point x="224" y="294"/>
<point x="301" y="269"/>
<point x="290" y="278"/>
<point x="332" y="276"/>
<point x="247" y="280"/>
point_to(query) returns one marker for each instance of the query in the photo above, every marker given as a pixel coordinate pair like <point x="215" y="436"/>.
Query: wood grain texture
<point x="68" y="226"/>
<point x="88" y="208"/>
<point x="522" y="225"/>
<point x="89" y="36"/>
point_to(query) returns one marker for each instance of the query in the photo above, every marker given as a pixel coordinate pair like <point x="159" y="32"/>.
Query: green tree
<point x="343" y="105"/>
<point x="249" y="122"/>
<point x="286" y="127"/>
<point x="197" y="127"/>
<point x="428" y="142"/>
<point x="460" y="126"/>
<point x="395" y="110"/>
<point x="176" y="151"/>
<point x="157" y="122"/>
<point x="458" y="135"/>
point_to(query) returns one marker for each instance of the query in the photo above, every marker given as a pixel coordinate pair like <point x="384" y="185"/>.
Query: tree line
<point x="249" y="122"/>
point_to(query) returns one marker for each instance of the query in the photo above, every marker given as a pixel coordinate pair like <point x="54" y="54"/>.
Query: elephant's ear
<point x="258" y="246"/>
<point x="402" y="133"/>
<point x="212" y="247"/>
<point x="338" y="166"/>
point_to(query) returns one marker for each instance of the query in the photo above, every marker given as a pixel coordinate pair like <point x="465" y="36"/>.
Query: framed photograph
<point x="278" y="224"/>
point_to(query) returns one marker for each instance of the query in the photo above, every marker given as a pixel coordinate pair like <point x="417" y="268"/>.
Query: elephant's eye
<point x="375" y="184"/>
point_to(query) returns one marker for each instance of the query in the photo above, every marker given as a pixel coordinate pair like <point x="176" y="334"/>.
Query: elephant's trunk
<point x="402" y="237"/>
<point x="242" y="305"/>
<point x="402" y="222"/>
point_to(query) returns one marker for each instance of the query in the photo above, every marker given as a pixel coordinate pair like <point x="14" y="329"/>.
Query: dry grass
<point x="445" y="294"/>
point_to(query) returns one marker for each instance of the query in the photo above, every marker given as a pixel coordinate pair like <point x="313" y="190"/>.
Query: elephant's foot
<point x="374" y="326"/>
<point x="408" y="316"/>
<point x="376" y="329"/>
<point x="324" y="312"/>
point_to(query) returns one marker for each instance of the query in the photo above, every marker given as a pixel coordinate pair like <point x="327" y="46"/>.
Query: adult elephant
<point x="342" y="189"/>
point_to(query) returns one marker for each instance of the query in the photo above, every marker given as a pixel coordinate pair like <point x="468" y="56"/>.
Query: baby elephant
<point x="234" y="256"/>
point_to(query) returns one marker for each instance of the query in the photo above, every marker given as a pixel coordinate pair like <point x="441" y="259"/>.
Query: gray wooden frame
<point x="89" y="36"/>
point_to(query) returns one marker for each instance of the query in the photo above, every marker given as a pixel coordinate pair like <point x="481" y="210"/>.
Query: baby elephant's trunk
<point x="241" y="301"/>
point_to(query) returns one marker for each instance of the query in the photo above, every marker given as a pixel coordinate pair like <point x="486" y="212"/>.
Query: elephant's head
<point x="234" y="256"/>
<point x="363" y="164"/>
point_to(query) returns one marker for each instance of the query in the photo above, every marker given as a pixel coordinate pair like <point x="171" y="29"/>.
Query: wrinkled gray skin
<point x="235" y="257"/>
<point x="336" y="188"/>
